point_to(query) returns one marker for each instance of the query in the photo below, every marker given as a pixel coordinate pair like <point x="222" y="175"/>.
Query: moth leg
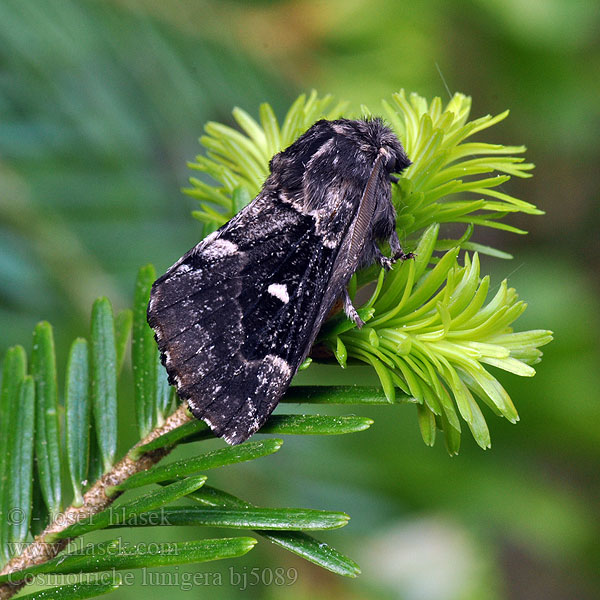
<point x="397" y="252"/>
<point x="384" y="261"/>
<point x="350" y="310"/>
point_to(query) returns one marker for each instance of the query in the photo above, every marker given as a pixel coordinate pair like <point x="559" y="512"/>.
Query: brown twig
<point x="94" y="501"/>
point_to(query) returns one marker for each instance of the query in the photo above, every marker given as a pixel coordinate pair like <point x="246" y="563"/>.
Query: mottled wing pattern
<point x="236" y="315"/>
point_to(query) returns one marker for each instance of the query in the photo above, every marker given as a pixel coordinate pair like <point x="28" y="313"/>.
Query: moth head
<point x="397" y="160"/>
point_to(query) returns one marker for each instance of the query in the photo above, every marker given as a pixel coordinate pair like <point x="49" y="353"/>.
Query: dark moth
<point x="236" y="316"/>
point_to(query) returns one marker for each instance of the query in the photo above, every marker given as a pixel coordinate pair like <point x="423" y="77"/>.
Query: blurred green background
<point x="101" y="105"/>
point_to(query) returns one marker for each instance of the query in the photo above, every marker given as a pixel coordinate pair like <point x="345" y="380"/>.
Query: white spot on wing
<point x="279" y="290"/>
<point x="219" y="248"/>
<point x="280" y="364"/>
